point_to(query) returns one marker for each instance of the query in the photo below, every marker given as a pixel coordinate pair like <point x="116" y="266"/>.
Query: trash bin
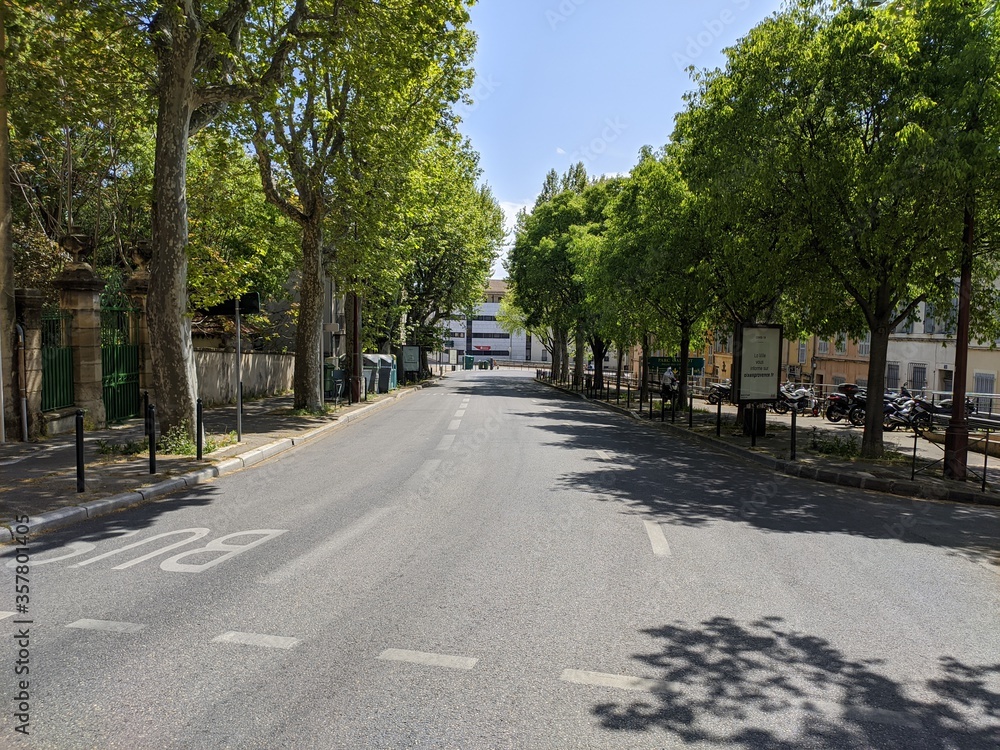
<point x="469" y="362"/>
<point x="385" y="372"/>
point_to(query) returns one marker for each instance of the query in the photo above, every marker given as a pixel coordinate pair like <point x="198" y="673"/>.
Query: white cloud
<point x="561" y="151"/>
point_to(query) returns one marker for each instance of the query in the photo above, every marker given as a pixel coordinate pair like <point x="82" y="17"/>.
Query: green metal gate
<point x="57" y="360"/>
<point x="119" y="354"/>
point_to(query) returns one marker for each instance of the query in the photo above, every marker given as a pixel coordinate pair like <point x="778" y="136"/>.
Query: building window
<point x="841" y="347"/>
<point x="823" y="347"/>
<point x="918" y="376"/>
<point x="490" y="335"/>
<point x="862" y="382"/>
<point x="892" y="376"/>
<point x="803" y="352"/>
<point x="865" y="345"/>
<point x="984" y="382"/>
<point x="839" y="380"/>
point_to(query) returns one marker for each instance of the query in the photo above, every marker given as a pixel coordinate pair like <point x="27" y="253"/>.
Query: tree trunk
<point x="309" y="330"/>
<point x="644" y="369"/>
<point x="598" y="347"/>
<point x="556" y="352"/>
<point x="685" y="358"/>
<point x="581" y="353"/>
<point x="8" y="414"/>
<point x="871" y="441"/>
<point x="564" y="354"/>
<point x="174" y="376"/>
<point x="621" y="365"/>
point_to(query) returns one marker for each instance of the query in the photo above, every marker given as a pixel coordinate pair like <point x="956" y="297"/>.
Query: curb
<point x="55" y="519"/>
<point x="855" y="480"/>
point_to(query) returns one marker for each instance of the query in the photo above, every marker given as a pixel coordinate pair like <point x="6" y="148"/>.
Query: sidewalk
<point x="774" y="451"/>
<point x="38" y="480"/>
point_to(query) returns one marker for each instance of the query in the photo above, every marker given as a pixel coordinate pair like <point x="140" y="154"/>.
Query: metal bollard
<point x="145" y="413"/>
<point x="152" y="438"/>
<point x="663" y="410"/>
<point x="792" y="454"/>
<point x="691" y="411"/>
<point x="199" y="436"/>
<point x="80" y="485"/>
<point x="628" y="395"/>
<point x="718" y="419"/>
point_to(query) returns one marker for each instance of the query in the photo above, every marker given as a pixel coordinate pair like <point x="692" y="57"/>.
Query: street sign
<point x="411" y="359"/>
<point x="695" y="364"/>
<point x="760" y="364"/>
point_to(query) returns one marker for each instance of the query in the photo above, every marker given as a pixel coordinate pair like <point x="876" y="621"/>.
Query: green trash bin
<point x="470" y="362"/>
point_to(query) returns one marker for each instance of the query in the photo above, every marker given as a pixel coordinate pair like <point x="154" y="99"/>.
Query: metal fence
<point x="57" y="360"/>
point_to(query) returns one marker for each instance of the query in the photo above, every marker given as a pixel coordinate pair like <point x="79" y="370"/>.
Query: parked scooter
<point x="718" y="392"/>
<point x="839" y="404"/>
<point x="922" y="413"/>
<point x="802" y="400"/>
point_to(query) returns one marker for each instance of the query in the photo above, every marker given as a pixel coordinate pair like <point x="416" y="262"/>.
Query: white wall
<point x="263" y="375"/>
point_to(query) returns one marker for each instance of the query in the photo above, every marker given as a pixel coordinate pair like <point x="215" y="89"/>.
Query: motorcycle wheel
<point x="713" y="398"/>
<point x="857" y="416"/>
<point x="780" y="407"/>
<point x="888" y="425"/>
<point x="921" y="423"/>
<point x="833" y="415"/>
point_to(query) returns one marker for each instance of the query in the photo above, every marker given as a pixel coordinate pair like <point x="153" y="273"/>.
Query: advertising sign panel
<point x="760" y="367"/>
<point x="411" y="359"/>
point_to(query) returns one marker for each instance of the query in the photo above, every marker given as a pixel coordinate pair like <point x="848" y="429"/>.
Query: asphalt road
<point x="492" y="564"/>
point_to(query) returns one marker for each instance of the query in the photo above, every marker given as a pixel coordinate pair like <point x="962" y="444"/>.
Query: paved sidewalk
<point x="773" y="450"/>
<point x="38" y="479"/>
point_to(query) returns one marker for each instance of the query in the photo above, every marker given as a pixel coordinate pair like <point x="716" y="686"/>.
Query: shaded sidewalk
<point x="38" y="479"/>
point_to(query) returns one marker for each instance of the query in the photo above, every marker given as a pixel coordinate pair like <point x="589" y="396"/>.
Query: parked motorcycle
<point x="839" y="404"/>
<point x="718" y="392"/>
<point x="802" y="400"/>
<point x="892" y="406"/>
<point x="922" y="413"/>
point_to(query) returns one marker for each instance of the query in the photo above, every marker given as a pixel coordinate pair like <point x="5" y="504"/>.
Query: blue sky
<point x="561" y="81"/>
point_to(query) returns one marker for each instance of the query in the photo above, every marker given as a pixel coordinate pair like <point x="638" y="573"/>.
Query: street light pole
<point x="956" y="437"/>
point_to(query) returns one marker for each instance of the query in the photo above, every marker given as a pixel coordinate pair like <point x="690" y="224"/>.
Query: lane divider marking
<point x="446" y="442"/>
<point x="428" y="659"/>
<point x="256" y="639"/>
<point x="110" y="626"/>
<point x="656" y="538"/>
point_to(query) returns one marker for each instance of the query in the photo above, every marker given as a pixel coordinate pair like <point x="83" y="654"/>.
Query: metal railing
<point x="57" y="361"/>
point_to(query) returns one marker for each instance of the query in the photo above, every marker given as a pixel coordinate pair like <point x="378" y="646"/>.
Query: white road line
<point x="427" y="469"/>
<point x="256" y="639"/>
<point x="657" y="539"/>
<point x="623" y="682"/>
<point x="460" y="413"/>
<point x="455" y="424"/>
<point x="431" y="660"/>
<point x="5" y="615"/>
<point x="604" y="455"/>
<point x="109" y="625"/>
<point x="327" y="549"/>
<point x="446" y="442"/>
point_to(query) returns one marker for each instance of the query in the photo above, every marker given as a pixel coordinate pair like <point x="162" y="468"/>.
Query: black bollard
<point x="198" y="438"/>
<point x="663" y="410"/>
<point x="628" y="395"/>
<point x="80" y="486"/>
<point x="145" y="412"/>
<point x="152" y="438"/>
<point x="718" y="419"/>
<point x="792" y="455"/>
<point x="691" y="411"/>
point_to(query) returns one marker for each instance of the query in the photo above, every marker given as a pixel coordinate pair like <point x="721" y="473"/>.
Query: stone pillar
<point x="80" y="295"/>
<point x="137" y="288"/>
<point x="28" y="363"/>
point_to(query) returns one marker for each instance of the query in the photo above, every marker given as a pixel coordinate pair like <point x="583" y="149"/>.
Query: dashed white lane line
<point x="623" y="682"/>
<point x="604" y="455"/>
<point x="110" y="626"/>
<point x="256" y="639"/>
<point x="446" y="442"/>
<point x="5" y="615"/>
<point x="656" y="538"/>
<point x="427" y="469"/>
<point x="460" y="413"/>
<point x="428" y="659"/>
<point x="455" y="424"/>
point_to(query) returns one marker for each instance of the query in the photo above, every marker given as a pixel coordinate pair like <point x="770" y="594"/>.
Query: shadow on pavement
<point x="765" y="686"/>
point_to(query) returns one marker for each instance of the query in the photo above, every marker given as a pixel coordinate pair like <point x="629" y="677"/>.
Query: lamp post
<point x="812" y="377"/>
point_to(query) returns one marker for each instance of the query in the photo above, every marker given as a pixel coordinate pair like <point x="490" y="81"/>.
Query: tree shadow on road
<point x="684" y="482"/>
<point x="764" y="686"/>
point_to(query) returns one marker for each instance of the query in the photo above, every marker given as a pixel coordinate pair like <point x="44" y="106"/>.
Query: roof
<point x="496" y="286"/>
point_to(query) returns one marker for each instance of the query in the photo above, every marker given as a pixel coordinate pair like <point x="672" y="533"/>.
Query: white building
<point x="482" y="336"/>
